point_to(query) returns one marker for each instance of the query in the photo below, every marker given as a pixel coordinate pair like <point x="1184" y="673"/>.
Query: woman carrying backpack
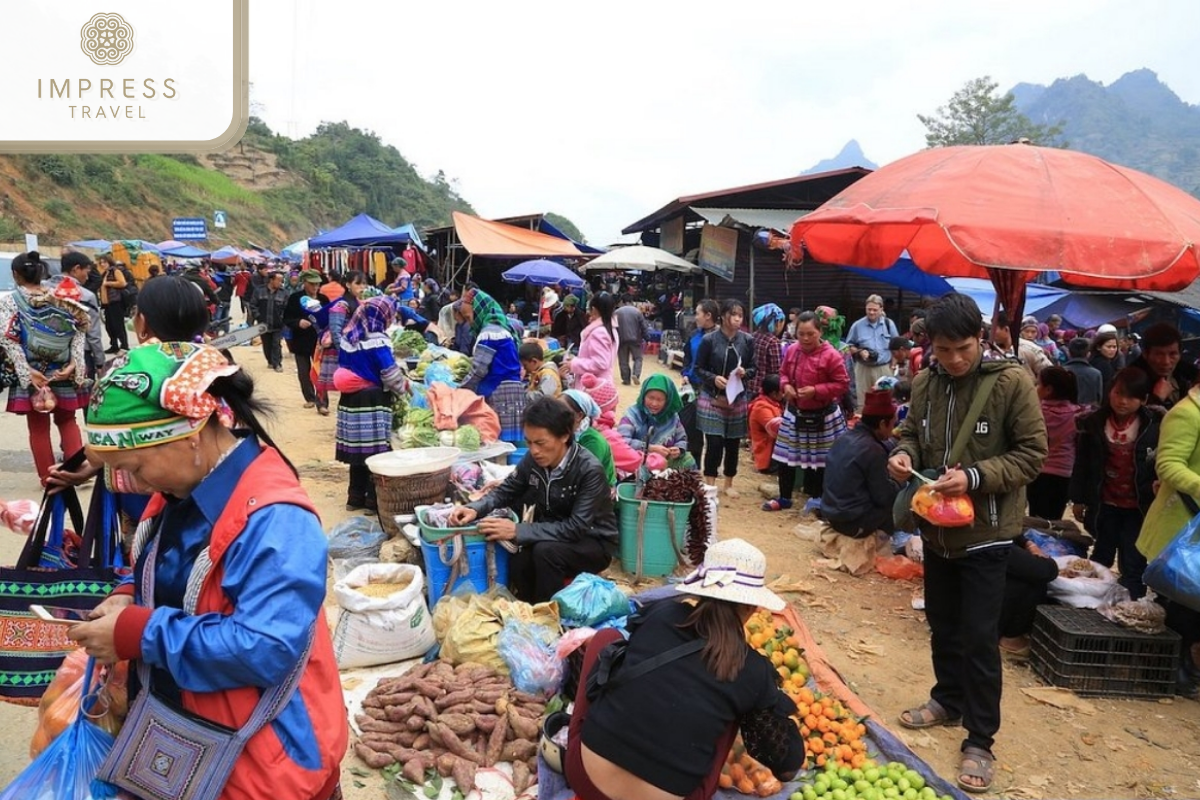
<point x="43" y="335"/>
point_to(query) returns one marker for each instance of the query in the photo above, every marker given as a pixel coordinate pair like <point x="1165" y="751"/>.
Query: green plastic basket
<point x="652" y="533"/>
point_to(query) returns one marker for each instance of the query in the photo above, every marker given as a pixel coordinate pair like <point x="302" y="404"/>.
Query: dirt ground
<point x="1103" y="748"/>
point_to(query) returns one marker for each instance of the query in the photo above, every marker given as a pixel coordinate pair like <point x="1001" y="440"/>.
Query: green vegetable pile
<point x="417" y="430"/>
<point x="406" y="343"/>
<point x="399" y="410"/>
<point x="459" y="364"/>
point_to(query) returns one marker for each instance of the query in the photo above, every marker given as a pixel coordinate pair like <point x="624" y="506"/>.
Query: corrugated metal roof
<point x="803" y="193"/>
<point x="779" y="219"/>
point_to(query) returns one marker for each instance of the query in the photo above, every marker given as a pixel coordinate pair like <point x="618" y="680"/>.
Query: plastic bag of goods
<point x="356" y="537"/>
<point x="942" y="510"/>
<point x="59" y="706"/>
<point x="589" y="601"/>
<point x="529" y="651"/>
<point x="384" y="617"/>
<point x="1085" y="584"/>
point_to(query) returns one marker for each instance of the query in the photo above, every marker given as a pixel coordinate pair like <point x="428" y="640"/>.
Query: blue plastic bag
<point x="1055" y="546"/>
<point x="440" y="372"/>
<point x="590" y="601"/>
<point x="529" y="651"/>
<point x="1175" y="571"/>
<point x="67" y="768"/>
<point x="356" y="537"/>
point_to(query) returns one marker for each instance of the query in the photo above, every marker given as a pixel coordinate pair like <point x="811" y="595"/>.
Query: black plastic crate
<point x="1080" y="650"/>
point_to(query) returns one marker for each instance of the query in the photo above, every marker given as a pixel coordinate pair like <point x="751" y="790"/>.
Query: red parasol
<point x="1008" y="212"/>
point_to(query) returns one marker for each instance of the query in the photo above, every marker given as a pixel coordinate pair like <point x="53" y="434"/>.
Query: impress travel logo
<point x="106" y="39"/>
<point x="139" y="76"/>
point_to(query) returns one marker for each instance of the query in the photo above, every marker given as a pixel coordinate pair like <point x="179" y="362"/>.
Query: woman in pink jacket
<point x="813" y="379"/>
<point x="598" y="343"/>
<point x="1048" y="493"/>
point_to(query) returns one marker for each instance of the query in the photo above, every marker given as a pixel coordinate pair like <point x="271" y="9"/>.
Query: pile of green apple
<point x="895" y="781"/>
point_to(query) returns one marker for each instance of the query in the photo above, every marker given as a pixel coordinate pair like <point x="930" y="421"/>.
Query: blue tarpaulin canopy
<point x="908" y="276"/>
<point x="362" y="231"/>
<point x="546" y="227"/>
<point x="139" y="244"/>
<point x="412" y="233"/>
<point x="92" y="244"/>
<point x="187" y="251"/>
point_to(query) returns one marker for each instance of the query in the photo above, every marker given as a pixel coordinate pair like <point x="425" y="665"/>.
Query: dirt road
<point x="1108" y="748"/>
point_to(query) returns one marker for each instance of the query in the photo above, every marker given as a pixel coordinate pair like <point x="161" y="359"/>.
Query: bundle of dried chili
<point x="680" y="487"/>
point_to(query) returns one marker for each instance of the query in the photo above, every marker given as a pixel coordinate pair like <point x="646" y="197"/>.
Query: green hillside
<point x="275" y="190"/>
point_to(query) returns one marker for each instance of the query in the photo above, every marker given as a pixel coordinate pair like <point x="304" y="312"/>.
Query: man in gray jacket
<point x="79" y="267"/>
<point x="632" y="332"/>
<point x="1088" y="380"/>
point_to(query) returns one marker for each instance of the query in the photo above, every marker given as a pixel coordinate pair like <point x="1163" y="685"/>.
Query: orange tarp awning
<point x="482" y="237"/>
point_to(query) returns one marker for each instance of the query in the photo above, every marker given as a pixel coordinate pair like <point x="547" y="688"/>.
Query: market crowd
<point x="1104" y="422"/>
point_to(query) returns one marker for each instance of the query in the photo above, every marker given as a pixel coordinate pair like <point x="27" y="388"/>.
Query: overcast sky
<point x="604" y="112"/>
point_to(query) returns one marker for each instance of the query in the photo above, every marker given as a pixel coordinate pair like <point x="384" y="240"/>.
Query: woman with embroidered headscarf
<point x="496" y="371"/>
<point x="367" y="376"/>
<point x="652" y="425"/>
<point x="229" y="579"/>
<point x="768" y="351"/>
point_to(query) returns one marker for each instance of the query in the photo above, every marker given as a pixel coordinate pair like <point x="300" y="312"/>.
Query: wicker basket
<point x="402" y="494"/>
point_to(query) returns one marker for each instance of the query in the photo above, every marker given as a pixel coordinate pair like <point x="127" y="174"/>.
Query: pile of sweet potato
<point x="452" y="719"/>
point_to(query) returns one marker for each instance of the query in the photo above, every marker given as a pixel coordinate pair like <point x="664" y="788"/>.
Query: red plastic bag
<point x="947" y="512"/>
<point x="899" y="568"/>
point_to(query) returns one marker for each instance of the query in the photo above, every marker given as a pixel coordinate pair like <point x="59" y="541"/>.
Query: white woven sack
<point x="381" y="630"/>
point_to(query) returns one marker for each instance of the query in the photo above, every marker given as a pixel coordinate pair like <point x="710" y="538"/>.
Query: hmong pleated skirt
<point x="808" y="448"/>
<point x="715" y="420"/>
<point x="69" y="396"/>
<point x="364" y="425"/>
<point x="508" y="401"/>
<point x="327" y="365"/>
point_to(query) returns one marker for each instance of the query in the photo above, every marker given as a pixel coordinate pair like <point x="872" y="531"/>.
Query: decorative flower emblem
<point x="106" y="39"/>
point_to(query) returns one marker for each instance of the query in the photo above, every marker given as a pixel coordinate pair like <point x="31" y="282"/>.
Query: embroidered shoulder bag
<point x="166" y="753"/>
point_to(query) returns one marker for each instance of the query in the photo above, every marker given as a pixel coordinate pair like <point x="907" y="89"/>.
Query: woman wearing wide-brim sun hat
<point x="636" y="739"/>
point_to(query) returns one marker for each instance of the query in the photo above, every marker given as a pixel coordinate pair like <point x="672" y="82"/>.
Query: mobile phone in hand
<point x="59" y="615"/>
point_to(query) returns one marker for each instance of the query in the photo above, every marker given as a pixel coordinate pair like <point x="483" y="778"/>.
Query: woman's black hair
<point x="603" y="303"/>
<point x="808" y="316"/>
<point x="353" y="276"/>
<point x="174" y="308"/>
<point x="237" y="390"/>
<point x="1099" y="341"/>
<point x="954" y="317"/>
<point x="1061" y="382"/>
<point x="710" y="307"/>
<point x="551" y="414"/>
<point x="29" y="268"/>
<point x="1134" y="383"/>
<point x="729" y="305"/>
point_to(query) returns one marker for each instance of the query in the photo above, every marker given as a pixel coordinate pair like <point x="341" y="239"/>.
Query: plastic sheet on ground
<point x="883" y="744"/>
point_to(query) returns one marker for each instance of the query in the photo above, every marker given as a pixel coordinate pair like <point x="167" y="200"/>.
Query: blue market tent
<point x="546" y="227"/>
<point x="187" y="251"/>
<point x="139" y="244"/>
<point x="92" y="244"/>
<point x="362" y="231"/>
<point x="413" y="235"/>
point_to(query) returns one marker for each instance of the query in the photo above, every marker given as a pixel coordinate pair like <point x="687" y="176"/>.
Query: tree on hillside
<point x="566" y="226"/>
<point x="979" y="114"/>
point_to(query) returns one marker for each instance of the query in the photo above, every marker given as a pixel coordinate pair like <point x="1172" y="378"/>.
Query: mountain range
<point x="1136" y="121"/>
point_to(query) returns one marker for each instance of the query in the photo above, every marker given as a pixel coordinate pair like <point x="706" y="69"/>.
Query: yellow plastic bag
<point x="472" y="629"/>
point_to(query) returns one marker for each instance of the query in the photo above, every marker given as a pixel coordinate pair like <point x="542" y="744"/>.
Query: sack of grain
<point x="384" y="617"/>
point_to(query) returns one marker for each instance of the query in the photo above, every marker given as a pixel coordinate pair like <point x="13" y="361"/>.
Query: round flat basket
<point x="401" y="494"/>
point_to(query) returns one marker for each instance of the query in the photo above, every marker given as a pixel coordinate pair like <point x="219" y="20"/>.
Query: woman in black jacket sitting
<point x="574" y="528"/>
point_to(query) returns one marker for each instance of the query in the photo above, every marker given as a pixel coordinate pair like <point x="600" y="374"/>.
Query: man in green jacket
<point x="965" y="566"/>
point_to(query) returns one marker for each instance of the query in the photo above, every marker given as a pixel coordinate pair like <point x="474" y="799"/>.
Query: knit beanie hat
<point x="603" y="392"/>
<point x="157" y="393"/>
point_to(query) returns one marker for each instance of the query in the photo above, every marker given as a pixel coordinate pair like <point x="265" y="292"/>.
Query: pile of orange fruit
<point x="830" y="731"/>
